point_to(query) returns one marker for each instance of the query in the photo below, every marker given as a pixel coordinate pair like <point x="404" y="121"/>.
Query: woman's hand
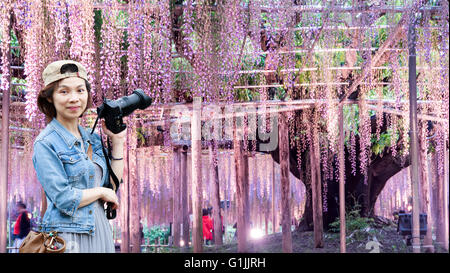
<point x="108" y="195"/>
<point x="115" y="138"/>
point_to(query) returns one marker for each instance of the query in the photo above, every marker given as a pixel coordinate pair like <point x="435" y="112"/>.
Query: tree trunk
<point x="214" y="176"/>
<point x="358" y="195"/>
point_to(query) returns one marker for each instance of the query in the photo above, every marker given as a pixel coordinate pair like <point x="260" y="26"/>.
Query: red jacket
<point x="22" y="226"/>
<point x="207" y="227"/>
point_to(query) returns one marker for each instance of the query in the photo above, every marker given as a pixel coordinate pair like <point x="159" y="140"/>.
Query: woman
<point x="70" y="164"/>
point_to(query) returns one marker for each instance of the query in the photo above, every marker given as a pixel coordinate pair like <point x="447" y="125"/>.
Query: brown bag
<point x="42" y="242"/>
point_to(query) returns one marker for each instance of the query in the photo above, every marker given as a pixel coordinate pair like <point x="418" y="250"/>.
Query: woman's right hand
<point x="108" y="195"/>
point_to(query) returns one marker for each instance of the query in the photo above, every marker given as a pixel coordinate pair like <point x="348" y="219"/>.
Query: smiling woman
<point x="70" y="164"/>
<point x="45" y="98"/>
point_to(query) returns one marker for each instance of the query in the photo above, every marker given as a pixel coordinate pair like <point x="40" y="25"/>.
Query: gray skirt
<point x="101" y="241"/>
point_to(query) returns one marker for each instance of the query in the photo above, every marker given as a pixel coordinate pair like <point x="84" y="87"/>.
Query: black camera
<point x="114" y="110"/>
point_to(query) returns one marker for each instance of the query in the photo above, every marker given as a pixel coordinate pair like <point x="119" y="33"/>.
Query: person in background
<point x="207" y="227"/>
<point x="22" y="226"/>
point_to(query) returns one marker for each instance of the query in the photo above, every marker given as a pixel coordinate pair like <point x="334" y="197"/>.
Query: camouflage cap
<point x="52" y="72"/>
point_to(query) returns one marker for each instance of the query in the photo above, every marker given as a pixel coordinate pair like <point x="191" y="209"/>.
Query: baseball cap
<point x="52" y="72"/>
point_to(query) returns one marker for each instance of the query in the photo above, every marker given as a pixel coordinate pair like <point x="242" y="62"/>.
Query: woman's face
<point x="70" y="98"/>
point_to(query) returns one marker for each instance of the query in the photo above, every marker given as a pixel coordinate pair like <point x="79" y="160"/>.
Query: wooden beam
<point x="374" y="61"/>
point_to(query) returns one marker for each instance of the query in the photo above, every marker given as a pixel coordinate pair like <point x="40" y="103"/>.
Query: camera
<point x="114" y="110"/>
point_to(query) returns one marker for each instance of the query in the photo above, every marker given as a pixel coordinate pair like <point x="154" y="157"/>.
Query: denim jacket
<point x="64" y="170"/>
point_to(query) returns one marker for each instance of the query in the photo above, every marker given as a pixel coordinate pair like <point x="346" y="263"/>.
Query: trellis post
<point x="274" y="214"/>
<point x="177" y="215"/>
<point x="283" y="136"/>
<point x="316" y="188"/>
<point x="342" y="180"/>
<point x="197" y="198"/>
<point x="133" y="195"/>
<point x="446" y="181"/>
<point x="413" y="135"/>
<point x="124" y="212"/>
<point x="184" y="197"/>
<point x="241" y="189"/>
<point x="214" y="176"/>
<point x="5" y="156"/>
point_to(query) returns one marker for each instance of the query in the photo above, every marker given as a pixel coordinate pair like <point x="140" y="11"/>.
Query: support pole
<point x="316" y="189"/>
<point x="124" y="211"/>
<point x="274" y="213"/>
<point x="214" y="176"/>
<point x="413" y="135"/>
<point x="241" y="189"/>
<point x="342" y="180"/>
<point x="4" y="166"/>
<point x="177" y="215"/>
<point x="197" y="197"/>
<point x="446" y="181"/>
<point x="283" y="136"/>
<point x="424" y="186"/>
<point x="133" y="194"/>
<point x="184" y="198"/>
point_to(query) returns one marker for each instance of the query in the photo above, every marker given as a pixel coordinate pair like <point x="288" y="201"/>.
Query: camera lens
<point x="136" y="100"/>
<point x="145" y="100"/>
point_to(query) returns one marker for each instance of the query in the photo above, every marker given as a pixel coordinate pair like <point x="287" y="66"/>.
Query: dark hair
<point x="21" y="204"/>
<point x="46" y="93"/>
<point x="205" y="212"/>
<point x="68" y="68"/>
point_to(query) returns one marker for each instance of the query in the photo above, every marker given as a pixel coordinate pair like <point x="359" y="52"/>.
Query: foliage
<point x="384" y="141"/>
<point x="155" y="233"/>
<point x="353" y="221"/>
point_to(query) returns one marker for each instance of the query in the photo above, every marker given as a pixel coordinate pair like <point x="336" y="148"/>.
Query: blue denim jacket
<point x="64" y="170"/>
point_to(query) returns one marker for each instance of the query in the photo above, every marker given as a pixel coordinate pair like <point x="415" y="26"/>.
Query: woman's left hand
<point x="115" y="138"/>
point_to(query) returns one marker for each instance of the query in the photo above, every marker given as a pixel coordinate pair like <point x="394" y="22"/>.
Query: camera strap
<point x="110" y="213"/>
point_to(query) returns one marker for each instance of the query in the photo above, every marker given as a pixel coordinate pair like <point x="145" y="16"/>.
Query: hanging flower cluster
<point x="110" y="52"/>
<point x="165" y="51"/>
<point x="34" y="63"/>
<point x="81" y="25"/>
<point x="5" y="13"/>
<point x="135" y="32"/>
<point x="58" y="10"/>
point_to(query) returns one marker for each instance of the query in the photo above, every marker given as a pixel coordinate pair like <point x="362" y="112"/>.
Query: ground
<point x="374" y="238"/>
<point x="361" y="241"/>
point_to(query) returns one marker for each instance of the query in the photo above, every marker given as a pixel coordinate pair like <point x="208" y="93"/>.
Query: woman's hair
<point x="47" y="107"/>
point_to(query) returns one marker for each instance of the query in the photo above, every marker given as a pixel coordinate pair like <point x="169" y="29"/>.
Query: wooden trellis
<point x="195" y="119"/>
